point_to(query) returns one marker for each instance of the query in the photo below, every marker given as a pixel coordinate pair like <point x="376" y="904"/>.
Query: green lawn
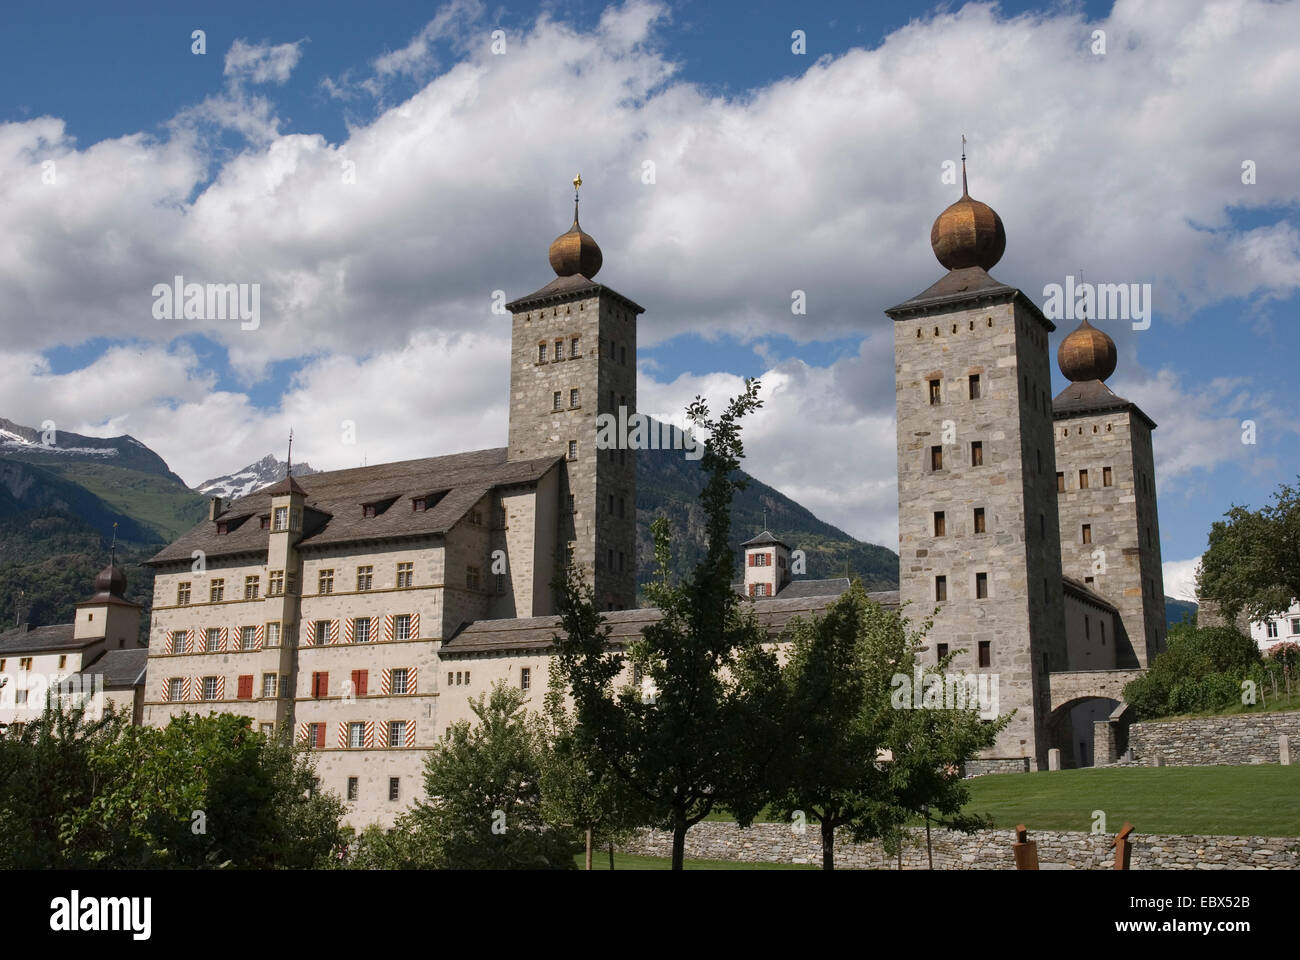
<point x="1261" y="800"/>
<point x="1268" y="703"/>
<point x="631" y="861"/>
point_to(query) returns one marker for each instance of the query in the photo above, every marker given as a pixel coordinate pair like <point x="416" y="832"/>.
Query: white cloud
<point x="1180" y="578"/>
<point x="261" y="62"/>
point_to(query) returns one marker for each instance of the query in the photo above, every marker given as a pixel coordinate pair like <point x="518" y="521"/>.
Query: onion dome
<point x="969" y="233"/>
<point x="575" y="252"/>
<point x="1087" y="354"/>
<point x="111" y="580"/>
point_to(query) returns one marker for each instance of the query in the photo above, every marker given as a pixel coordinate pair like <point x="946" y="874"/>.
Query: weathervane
<point x="577" y="182"/>
<point x="964" y="190"/>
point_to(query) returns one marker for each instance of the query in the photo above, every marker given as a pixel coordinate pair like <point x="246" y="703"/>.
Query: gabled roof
<point x="57" y="636"/>
<point x="1093" y="396"/>
<point x="957" y="288"/>
<point x="121" y="668"/>
<point x="569" y="288"/>
<point x="533" y="634"/>
<point x="334" y="503"/>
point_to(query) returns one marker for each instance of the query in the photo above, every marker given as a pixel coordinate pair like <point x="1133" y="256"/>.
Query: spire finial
<point x="964" y="191"/>
<point x="577" y="182"/>
<point x="112" y="553"/>
<point x="288" y="465"/>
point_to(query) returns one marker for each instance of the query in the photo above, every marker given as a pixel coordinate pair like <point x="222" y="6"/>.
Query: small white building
<point x="1278" y="629"/>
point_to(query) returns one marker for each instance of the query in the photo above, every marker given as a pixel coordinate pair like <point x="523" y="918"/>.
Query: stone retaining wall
<point x="1214" y="741"/>
<point x="985" y="850"/>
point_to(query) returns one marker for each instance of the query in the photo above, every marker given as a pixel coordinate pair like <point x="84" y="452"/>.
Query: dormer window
<point x="369" y="510"/>
<point x="223" y="528"/>
<point x="264" y="521"/>
<point x="419" y="504"/>
<point x="376" y="507"/>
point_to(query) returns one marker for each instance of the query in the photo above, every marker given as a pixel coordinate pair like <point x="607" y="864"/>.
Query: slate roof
<point x="56" y="636"/>
<point x="121" y="668"/>
<point x="1093" y="396"/>
<point x="568" y="288"/>
<point x="1085" y="592"/>
<point x="763" y="539"/>
<point x="960" y="286"/>
<point x="533" y="634"/>
<point x="334" y="500"/>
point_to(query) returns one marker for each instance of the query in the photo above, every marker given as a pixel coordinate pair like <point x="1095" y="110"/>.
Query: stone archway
<point x="1070" y="729"/>
<point x="1073" y="689"/>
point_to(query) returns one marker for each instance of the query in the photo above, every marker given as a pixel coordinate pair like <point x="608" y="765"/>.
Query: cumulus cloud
<point x="1180" y="578"/>
<point x="261" y="62"/>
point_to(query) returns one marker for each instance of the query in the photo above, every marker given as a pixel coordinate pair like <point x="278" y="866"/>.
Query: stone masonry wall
<point x="985" y="850"/>
<point x="1213" y="741"/>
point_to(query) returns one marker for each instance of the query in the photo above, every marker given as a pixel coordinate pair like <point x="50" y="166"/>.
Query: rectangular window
<point x="934" y="392"/>
<point x="209" y="688"/>
<point x="63" y="662"/>
<point x="1272" y="629"/>
<point x="936" y="458"/>
<point x="320" y="633"/>
<point x="940" y="524"/>
<point x="985" y="653"/>
<point x="320" y="685"/>
<point x="24" y="663"/>
<point x="573" y="398"/>
<point x="273" y="633"/>
<point x="365" y="577"/>
<point x="356" y="735"/>
<point x="977" y="454"/>
<point x="974" y="386"/>
<point x="325" y="581"/>
<point x="212" y="639"/>
<point x="555" y="400"/>
<point x="979" y="520"/>
<point x="573" y="449"/>
<point x="402" y="626"/>
<point x="394" y="783"/>
<point x="501" y="584"/>
<point x="275" y="583"/>
<point x="352" y="788"/>
<point x="1083" y="479"/>
<point x="525" y="678"/>
<point x="1102" y="625"/>
<point x="266" y="729"/>
<point x="251" y="587"/>
<point x="248" y="638"/>
<point x="175" y="689"/>
<point x="941" y="588"/>
<point x="179" y="641"/>
<point x="940" y="650"/>
<point x="450" y="680"/>
<point x="362" y="631"/>
<point x="217" y="591"/>
<point x="317" y="735"/>
<point x="281" y="519"/>
<point x="473" y="579"/>
<point x="981" y="586"/>
<point x="1295" y="624"/>
<point x="573" y="349"/>
<point x="1087" y="533"/>
<point x="400" y="680"/>
<point x="183" y="594"/>
<point x="269" y="684"/>
<point x="1107" y="479"/>
<point x="559" y="349"/>
<point x="245" y="691"/>
<point x="405" y="575"/>
<point x="541" y="353"/>
<point x="397" y="733"/>
<point x="1060" y="483"/>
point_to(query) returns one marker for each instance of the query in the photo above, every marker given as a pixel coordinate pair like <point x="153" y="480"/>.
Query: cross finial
<point x="288" y="465"/>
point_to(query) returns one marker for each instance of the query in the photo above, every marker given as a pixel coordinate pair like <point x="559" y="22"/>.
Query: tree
<point x="700" y="734"/>
<point x="484" y="782"/>
<point x="1201" y="670"/>
<point x="1253" y="559"/>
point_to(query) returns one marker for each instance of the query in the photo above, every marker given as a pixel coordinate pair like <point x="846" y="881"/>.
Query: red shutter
<point x="320" y="736"/>
<point x="751" y="558"/>
<point x="320" y="684"/>
<point x="769" y="559"/>
<point x="246" y="686"/>
<point x="359" y="682"/>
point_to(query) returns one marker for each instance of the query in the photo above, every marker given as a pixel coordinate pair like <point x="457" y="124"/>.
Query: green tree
<point x="1201" y="670"/>
<point x="484" y="782"/>
<point x="1252" y="562"/>
<point x="701" y="736"/>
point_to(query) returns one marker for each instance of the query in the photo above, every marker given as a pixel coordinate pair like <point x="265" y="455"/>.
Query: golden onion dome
<point x="1087" y="354"/>
<point x="969" y="233"/>
<point x="575" y="252"/>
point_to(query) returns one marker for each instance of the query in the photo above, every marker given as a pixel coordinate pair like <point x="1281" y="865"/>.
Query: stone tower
<point x="572" y="358"/>
<point x="977" y="527"/>
<point x="1105" y="482"/>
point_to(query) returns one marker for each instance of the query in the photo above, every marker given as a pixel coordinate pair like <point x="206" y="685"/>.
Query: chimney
<point x="214" y="508"/>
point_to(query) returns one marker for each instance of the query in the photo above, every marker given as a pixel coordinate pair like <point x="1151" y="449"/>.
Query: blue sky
<point x="775" y="172"/>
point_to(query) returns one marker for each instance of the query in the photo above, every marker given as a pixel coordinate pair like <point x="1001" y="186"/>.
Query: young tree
<point x="700" y="736"/>
<point x="1253" y="559"/>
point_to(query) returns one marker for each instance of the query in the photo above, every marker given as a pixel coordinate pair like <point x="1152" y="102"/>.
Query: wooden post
<point x="589" y="848"/>
<point x="1024" y="850"/>
<point x="1123" y="847"/>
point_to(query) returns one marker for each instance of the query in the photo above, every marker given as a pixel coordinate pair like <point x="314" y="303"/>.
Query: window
<point x="1102" y="625"/>
<point x="985" y="654"/>
<point x="360" y="682"/>
<point x="541" y="353"/>
<point x="467" y="678"/>
<point x="573" y="449"/>
<point x="63" y="660"/>
<point x="320" y="685"/>
<point x="941" y="650"/>
<point x="450" y="681"/>
<point x="622" y="355"/>
<point x="402" y="626"/>
<point x="217" y="591"/>
<point x="352" y="787"/>
<point x="501" y="584"/>
<point x="397" y="733"/>
<point x="555" y="400"/>
<point x="281" y="519"/>
<point x="394" y="783"/>
<point x="1106" y="478"/>
<point x="559" y="349"/>
<point x="476" y="517"/>
<point x="572" y="504"/>
<point x="573" y="398"/>
<point x="212" y="639"/>
<point x="269" y="684"/>
<point x="1087" y="628"/>
<point x="251" y="587"/>
<point x="273" y="633"/>
<point x="419" y="504"/>
<point x="275" y="583"/>
<point x="1272" y="629"/>
<point x="245" y="691"/>
<point x="977" y="454"/>
<point x="1083" y="479"/>
<point x="1295" y="624"/>
<point x="317" y="735"/>
<point x="934" y="392"/>
<point x="356" y="735"/>
<point x="248" y="638"/>
<point x="361" y="630"/>
<point x="320" y="633"/>
<point x="1087" y="533"/>
<point x="525" y="678"/>
<point x="179" y="641"/>
<point x="941" y="588"/>
<point x="936" y="458"/>
<point x="981" y="586"/>
<point x="622" y="506"/>
<point x="472" y="578"/>
<point x="940" y="525"/>
<point x="25" y="663"/>
<point x="210" y="688"/>
<point x="979" y="520"/>
<point x="400" y="681"/>
<point x="266" y="729"/>
<point x="325" y="581"/>
<point x="573" y="349"/>
<point x="183" y="594"/>
<point x="264" y="523"/>
<point x="175" y="689"/>
<point x="405" y="575"/>
<point x="974" y="386"/>
<point x="1060" y="482"/>
<point x="365" y="577"/>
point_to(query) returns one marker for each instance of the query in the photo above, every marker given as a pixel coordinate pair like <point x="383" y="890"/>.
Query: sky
<point x="385" y="173"/>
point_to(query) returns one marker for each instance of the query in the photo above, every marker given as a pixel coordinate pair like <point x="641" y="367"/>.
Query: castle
<point x="361" y="609"/>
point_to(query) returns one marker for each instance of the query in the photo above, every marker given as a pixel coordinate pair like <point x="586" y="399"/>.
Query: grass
<point x="1269" y="703"/>
<point x="632" y="861"/>
<point x="1258" y="800"/>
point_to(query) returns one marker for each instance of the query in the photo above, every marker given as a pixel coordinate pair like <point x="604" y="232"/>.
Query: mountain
<point x="1179" y="611"/>
<point x="27" y="443"/>
<point x="265" y="472"/>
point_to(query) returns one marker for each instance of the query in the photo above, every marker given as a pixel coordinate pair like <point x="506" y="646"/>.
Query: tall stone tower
<point x="977" y="526"/>
<point x="1105" y="482"/>
<point x="572" y="358"/>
